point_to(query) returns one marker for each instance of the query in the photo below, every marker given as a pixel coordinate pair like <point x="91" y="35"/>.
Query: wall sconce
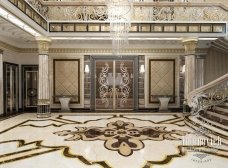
<point x="86" y="68"/>
<point x="142" y="69"/>
<point x="183" y="69"/>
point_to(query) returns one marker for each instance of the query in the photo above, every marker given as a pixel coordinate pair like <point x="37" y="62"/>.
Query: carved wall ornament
<point x="153" y="12"/>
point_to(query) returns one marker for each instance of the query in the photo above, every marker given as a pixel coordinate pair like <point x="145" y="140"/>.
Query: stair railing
<point x="209" y="95"/>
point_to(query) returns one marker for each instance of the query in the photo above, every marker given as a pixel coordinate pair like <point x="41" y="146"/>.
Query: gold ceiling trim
<point x="4" y="45"/>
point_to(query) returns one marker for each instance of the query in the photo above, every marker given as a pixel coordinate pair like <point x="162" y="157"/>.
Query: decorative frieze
<point x="143" y="12"/>
<point x="97" y="50"/>
<point x="84" y="27"/>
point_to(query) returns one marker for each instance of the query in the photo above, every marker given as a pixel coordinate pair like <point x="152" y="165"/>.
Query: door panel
<point x="11" y="88"/>
<point x="104" y="84"/>
<point x="124" y="85"/>
<point x="29" y="87"/>
<point x="114" y="84"/>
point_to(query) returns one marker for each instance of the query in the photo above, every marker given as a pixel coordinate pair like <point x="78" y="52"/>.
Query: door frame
<point x="4" y="88"/>
<point x="24" y="69"/>
<point x="133" y="58"/>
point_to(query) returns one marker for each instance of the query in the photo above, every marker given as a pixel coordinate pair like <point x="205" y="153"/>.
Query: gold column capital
<point x="190" y="45"/>
<point x="43" y="44"/>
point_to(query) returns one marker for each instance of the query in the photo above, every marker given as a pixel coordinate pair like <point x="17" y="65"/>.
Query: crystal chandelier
<point x="119" y="15"/>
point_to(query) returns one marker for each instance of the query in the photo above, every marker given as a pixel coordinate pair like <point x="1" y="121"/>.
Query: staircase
<point x="209" y="109"/>
<point x="218" y="115"/>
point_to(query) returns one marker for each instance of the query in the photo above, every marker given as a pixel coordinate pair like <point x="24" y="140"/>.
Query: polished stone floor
<point x="70" y="140"/>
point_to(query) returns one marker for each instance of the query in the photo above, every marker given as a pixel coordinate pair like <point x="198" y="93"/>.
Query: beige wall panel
<point x="67" y="79"/>
<point x="163" y="83"/>
<point x="161" y="79"/>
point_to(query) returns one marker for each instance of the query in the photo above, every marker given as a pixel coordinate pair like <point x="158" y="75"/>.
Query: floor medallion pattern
<point x="121" y="136"/>
<point x="104" y="141"/>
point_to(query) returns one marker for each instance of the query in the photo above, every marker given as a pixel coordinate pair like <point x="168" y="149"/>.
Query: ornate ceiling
<point x="11" y="34"/>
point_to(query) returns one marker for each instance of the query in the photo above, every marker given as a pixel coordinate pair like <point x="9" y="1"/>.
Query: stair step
<point x="220" y="112"/>
<point x="219" y="125"/>
<point x="222" y="108"/>
<point x="192" y="122"/>
<point x="215" y="117"/>
<point x="219" y="115"/>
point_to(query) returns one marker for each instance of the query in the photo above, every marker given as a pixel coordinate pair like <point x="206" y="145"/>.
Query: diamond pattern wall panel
<point x="67" y="79"/>
<point x="161" y="79"/>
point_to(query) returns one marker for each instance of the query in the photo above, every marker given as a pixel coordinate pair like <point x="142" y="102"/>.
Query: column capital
<point x="1" y="51"/>
<point x="190" y="45"/>
<point x="43" y="44"/>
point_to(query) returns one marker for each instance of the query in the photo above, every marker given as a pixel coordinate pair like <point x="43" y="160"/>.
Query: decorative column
<point x="1" y="82"/>
<point x="190" y="65"/>
<point x="43" y="105"/>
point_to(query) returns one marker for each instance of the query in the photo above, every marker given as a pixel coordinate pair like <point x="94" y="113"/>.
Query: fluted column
<point x="190" y="65"/>
<point x="1" y="82"/>
<point x="43" y="106"/>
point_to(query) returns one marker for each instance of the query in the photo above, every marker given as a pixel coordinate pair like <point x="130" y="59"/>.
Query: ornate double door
<point x="114" y="82"/>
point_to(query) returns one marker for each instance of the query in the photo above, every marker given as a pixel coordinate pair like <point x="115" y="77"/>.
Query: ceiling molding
<point x="98" y="50"/>
<point x="4" y="45"/>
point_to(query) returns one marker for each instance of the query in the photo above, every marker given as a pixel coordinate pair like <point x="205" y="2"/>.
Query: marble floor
<point x="70" y="140"/>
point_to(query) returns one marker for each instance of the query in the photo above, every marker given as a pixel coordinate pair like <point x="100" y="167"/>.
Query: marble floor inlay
<point x="121" y="136"/>
<point x="105" y="141"/>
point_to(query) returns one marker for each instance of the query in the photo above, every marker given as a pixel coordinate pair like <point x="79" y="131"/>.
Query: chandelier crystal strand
<point x="119" y="15"/>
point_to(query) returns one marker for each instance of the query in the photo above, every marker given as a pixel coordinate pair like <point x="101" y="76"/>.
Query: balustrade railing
<point x="142" y="11"/>
<point x="209" y="95"/>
